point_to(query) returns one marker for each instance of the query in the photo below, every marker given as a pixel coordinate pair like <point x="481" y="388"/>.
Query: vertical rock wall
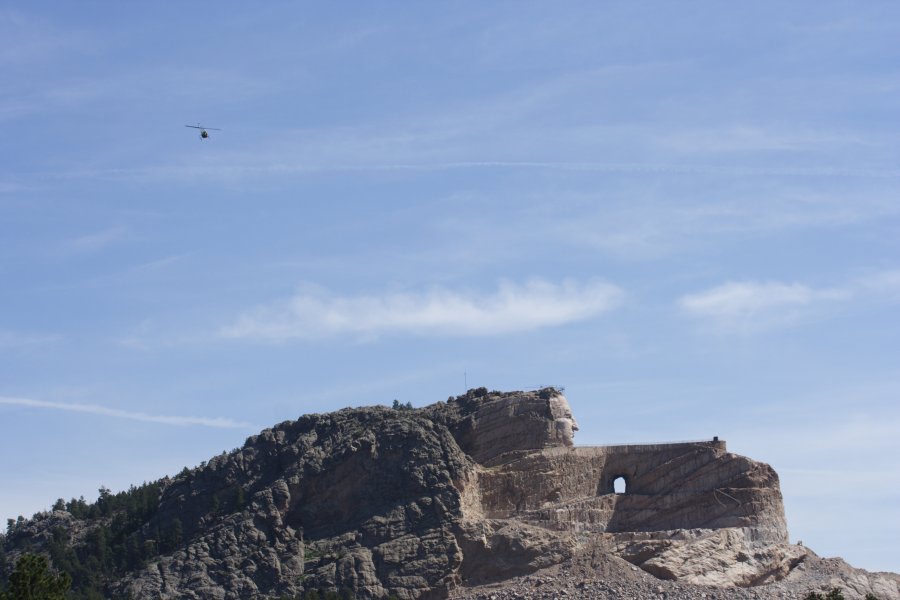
<point x="669" y="486"/>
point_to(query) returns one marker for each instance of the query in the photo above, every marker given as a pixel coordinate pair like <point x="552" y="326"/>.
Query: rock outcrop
<point x="488" y="426"/>
<point x="473" y="491"/>
<point x="360" y="499"/>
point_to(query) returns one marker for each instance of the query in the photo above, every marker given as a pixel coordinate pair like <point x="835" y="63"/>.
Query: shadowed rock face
<point x="482" y="487"/>
<point x="362" y="499"/>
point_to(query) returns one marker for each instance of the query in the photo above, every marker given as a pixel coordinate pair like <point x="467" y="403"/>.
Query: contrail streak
<point x="95" y="409"/>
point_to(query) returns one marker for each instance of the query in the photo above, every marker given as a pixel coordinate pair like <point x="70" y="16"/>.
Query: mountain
<point x="481" y="495"/>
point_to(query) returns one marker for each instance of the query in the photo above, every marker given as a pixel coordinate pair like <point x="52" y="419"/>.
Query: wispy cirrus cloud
<point x="643" y="227"/>
<point x="886" y="283"/>
<point x="26" y="39"/>
<point x="95" y="409"/>
<point x="752" y="306"/>
<point x="264" y="164"/>
<point x="11" y="339"/>
<point x="97" y="241"/>
<point x="750" y="138"/>
<point x="316" y="313"/>
<point x="749" y="306"/>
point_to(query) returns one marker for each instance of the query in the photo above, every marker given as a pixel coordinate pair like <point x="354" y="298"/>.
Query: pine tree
<point x="32" y="580"/>
<point x="835" y="594"/>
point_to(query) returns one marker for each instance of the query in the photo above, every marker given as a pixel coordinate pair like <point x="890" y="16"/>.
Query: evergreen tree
<point x="835" y="594"/>
<point x="2" y="558"/>
<point x="32" y="580"/>
<point x="172" y="536"/>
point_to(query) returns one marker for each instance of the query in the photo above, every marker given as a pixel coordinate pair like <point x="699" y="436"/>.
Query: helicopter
<point x="203" y="130"/>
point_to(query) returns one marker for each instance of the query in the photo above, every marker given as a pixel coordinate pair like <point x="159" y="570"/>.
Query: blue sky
<point x="687" y="215"/>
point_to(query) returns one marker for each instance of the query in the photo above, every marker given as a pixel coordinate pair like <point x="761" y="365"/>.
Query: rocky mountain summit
<point x="481" y="496"/>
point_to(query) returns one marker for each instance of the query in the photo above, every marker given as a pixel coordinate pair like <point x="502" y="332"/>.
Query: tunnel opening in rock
<point x="620" y="485"/>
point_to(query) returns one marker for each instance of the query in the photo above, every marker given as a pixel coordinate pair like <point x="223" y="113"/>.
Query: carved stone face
<point x="563" y="422"/>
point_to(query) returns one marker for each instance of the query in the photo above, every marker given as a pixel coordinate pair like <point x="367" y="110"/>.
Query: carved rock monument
<point x="476" y="490"/>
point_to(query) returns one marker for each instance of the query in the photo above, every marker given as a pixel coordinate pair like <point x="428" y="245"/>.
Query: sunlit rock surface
<point x="474" y="491"/>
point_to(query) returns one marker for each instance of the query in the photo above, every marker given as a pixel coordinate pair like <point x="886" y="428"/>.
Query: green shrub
<point x="835" y="594"/>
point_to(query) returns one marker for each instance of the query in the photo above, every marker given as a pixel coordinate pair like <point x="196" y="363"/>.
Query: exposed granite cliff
<point x="362" y="499"/>
<point x="475" y="490"/>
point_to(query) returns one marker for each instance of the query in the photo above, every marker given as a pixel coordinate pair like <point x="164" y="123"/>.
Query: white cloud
<point x="749" y="138"/>
<point x="25" y="39"/>
<point x="10" y="339"/>
<point x="642" y="227"/>
<point x="8" y="187"/>
<point x="315" y="313"/>
<point x="264" y="163"/>
<point x="158" y="264"/>
<point x="883" y="282"/>
<point x="97" y="241"/>
<point x="750" y="306"/>
<point x="95" y="409"/>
